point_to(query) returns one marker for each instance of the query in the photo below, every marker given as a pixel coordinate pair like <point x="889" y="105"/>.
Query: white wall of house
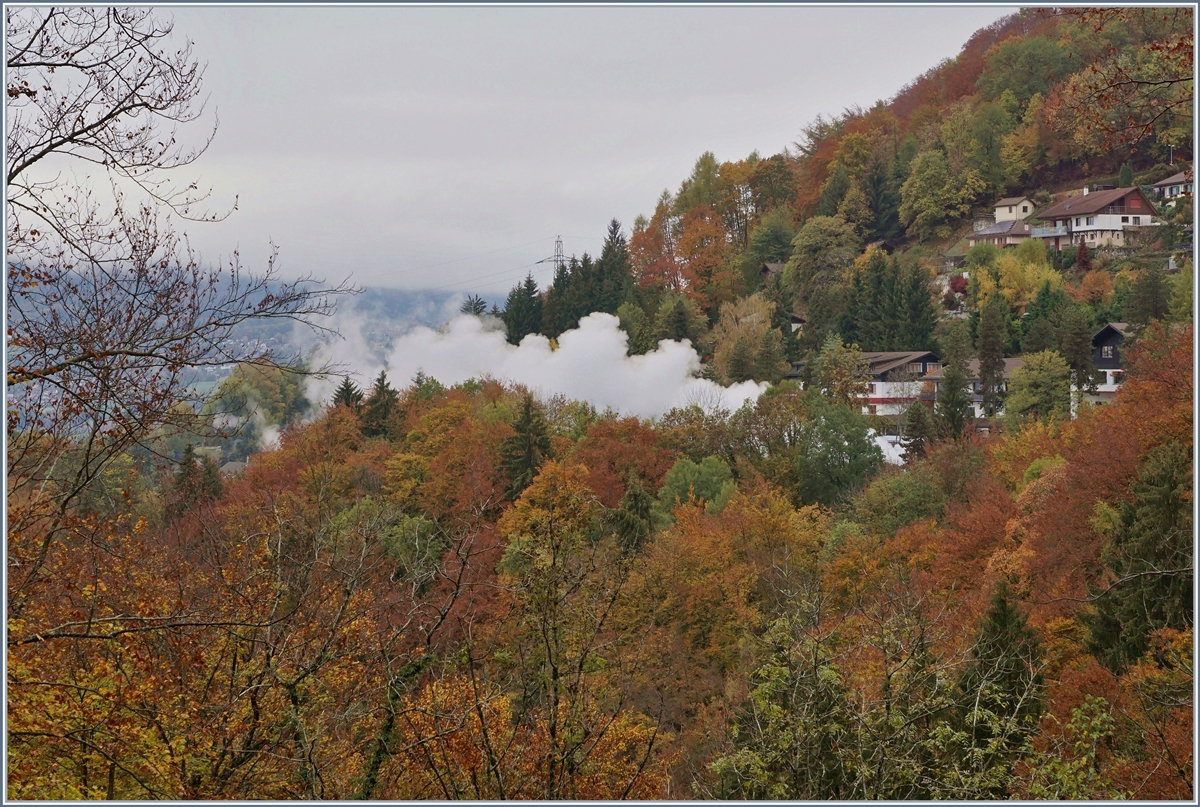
<point x="1014" y="212"/>
<point x="891" y="398"/>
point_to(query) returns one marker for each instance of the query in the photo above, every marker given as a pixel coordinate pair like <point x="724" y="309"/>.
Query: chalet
<point x="1014" y="208"/>
<point x="1106" y="357"/>
<point x="1101" y="218"/>
<point x="1173" y="187"/>
<point x="897" y="379"/>
<point x="975" y="386"/>
<point x="769" y="270"/>
<point x="1001" y="234"/>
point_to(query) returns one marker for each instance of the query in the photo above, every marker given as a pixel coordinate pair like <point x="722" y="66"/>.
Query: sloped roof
<point x="1082" y="204"/>
<point x="886" y="361"/>
<point x="1178" y="179"/>
<point x="772" y="268"/>
<point x="973" y="369"/>
<point x="1120" y="327"/>
<point x="1003" y="228"/>
<point x="1012" y="200"/>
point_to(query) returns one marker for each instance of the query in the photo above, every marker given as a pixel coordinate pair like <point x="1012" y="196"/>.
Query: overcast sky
<point x="445" y="147"/>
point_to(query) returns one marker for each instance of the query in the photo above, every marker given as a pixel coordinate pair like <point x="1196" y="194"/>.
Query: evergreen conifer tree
<point x="920" y="317"/>
<point x="378" y="407"/>
<point x="614" y="271"/>
<point x="920" y="430"/>
<point x="195" y="482"/>
<point x="953" y="407"/>
<point x="1125" y="177"/>
<point x="555" y="314"/>
<point x="1075" y="345"/>
<point x="993" y="333"/>
<point x="522" y="454"/>
<point x="473" y="305"/>
<point x="1000" y="694"/>
<point x="769" y="363"/>
<point x="522" y="310"/>
<point x="1149" y="297"/>
<point x="1150" y="555"/>
<point x="347" y="394"/>
<point x="741" y="361"/>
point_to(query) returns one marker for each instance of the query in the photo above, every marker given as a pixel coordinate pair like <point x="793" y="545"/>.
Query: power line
<point x="467" y="258"/>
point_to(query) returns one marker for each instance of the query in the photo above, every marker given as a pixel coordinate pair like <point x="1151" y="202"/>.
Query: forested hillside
<point x="415" y="590"/>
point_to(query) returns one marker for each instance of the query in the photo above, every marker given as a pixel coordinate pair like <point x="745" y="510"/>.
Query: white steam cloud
<point x="589" y="365"/>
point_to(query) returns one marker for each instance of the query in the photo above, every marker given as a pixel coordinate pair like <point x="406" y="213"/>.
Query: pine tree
<point x="378" y="407"/>
<point x="1150" y="555"/>
<point x="630" y="520"/>
<point x="1149" y="298"/>
<point x="1125" y="177"/>
<point x="833" y="191"/>
<point x="1040" y="335"/>
<point x="993" y="333"/>
<point x="769" y="363"/>
<point x="473" y="305"/>
<point x="676" y="320"/>
<point x="953" y="407"/>
<point x="522" y="454"/>
<point x="741" y="362"/>
<point x="347" y="394"/>
<point x="614" y="271"/>
<point x="522" y="310"/>
<point x="1000" y="695"/>
<point x="1075" y="345"/>
<point x="920" y="317"/>
<point x="920" y="430"/>
<point x="555" y="314"/>
<point x="195" y="482"/>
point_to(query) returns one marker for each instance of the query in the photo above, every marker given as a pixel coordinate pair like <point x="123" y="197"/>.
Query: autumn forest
<point x="475" y="591"/>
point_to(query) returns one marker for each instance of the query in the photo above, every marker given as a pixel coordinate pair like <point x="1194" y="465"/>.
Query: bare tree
<point x="108" y="307"/>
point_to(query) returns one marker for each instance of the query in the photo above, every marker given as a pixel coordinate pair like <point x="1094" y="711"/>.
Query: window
<point x="1124" y="219"/>
<point x="1091" y="220"/>
<point x="1106" y="352"/>
<point x="1137" y="219"/>
<point x="914" y="367"/>
<point x="1118" y="377"/>
<point x="871" y="409"/>
<point x="1135" y="203"/>
<point x="1092" y="235"/>
<point x="871" y="389"/>
<point x="1010" y="208"/>
<point x="1024" y="208"/>
<point x="1076" y="221"/>
<point x="933" y="365"/>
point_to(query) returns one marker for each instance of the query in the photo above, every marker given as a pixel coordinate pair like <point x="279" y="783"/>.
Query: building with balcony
<point x="974" y="385"/>
<point x="1106" y="358"/>
<point x="897" y="379"/>
<point x="1099" y="218"/>
<point x="1173" y="187"/>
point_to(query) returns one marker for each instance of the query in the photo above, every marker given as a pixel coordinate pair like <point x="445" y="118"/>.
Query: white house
<point x="1171" y="188"/>
<point x="897" y="379"/>
<point x="975" y="388"/>
<point x="1014" y="208"/>
<point x="1100" y="218"/>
